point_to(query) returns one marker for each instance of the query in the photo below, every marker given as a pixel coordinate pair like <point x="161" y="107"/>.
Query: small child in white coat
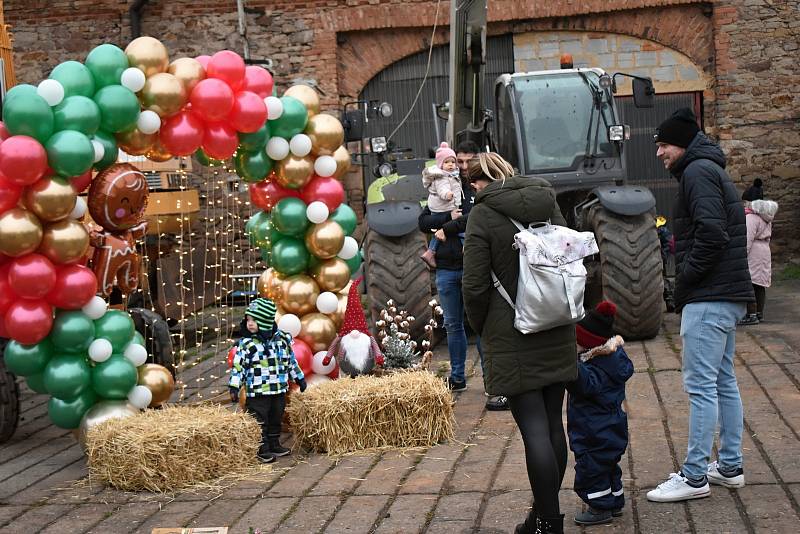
<point x="444" y="191"/>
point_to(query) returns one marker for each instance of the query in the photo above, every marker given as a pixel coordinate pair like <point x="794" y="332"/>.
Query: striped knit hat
<point x="263" y="313"/>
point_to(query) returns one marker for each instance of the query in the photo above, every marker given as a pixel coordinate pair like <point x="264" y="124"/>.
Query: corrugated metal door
<point x="643" y="167"/>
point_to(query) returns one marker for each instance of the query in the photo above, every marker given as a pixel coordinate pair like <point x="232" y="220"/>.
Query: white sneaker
<point x="733" y="480"/>
<point x="676" y="488"/>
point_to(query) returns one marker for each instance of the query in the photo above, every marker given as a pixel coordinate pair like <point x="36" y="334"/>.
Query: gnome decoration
<point x="354" y="348"/>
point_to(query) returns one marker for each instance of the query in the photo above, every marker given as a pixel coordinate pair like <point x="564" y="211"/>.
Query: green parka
<point x="514" y="362"/>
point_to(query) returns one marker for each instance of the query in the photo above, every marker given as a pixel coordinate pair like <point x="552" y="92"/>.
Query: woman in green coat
<point x="529" y="369"/>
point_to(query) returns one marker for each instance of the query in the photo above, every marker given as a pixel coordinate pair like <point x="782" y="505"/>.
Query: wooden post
<point x="6" y="53"/>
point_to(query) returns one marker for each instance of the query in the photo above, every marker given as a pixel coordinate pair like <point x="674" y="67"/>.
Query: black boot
<point x="264" y="454"/>
<point x="550" y="525"/>
<point x="529" y="526"/>
<point x="275" y="446"/>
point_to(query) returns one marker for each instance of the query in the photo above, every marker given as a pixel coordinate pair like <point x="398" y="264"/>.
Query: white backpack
<point x="552" y="277"/>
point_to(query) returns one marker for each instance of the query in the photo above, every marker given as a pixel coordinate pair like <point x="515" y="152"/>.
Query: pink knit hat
<point x="443" y="152"/>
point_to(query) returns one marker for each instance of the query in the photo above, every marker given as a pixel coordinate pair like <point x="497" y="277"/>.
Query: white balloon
<point x="133" y="79"/>
<point x="320" y="368"/>
<point x="99" y="150"/>
<point x="277" y="148"/>
<point x="274" y="107"/>
<point x="327" y="302"/>
<point x="95" y="308"/>
<point x="148" y="122"/>
<point x="137" y="354"/>
<point x="300" y="145"/>
<point x="315" y="380"/>
<point x="140" y="397"/>
<point x="79" y="210"/>
<point x="317" y="212"/>
<point x="290" y="323"/>
<point x="325" y="166"/>
<point x="349" y="248"/>
<point x="100" y="350"/>
<point x="52" y="91"/>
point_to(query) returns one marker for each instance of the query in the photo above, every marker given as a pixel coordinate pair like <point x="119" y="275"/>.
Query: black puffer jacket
<point x="450" y="253"/>
<point x="710" y="229"/>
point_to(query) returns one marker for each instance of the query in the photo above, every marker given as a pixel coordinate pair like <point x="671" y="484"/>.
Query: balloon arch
<point x="62" y="137"/>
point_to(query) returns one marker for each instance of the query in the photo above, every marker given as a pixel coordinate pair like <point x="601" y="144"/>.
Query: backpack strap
<point x="503" y="293"/>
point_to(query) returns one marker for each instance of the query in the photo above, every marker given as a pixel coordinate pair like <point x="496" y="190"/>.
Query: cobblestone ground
<point x="475" y="484"/>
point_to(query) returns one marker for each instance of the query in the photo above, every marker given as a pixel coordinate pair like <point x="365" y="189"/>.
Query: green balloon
<point x="26" y="360"/>
<point x="72" y="331"/>
<point x="67" y="375"/>
<point x="256" y="141"/>
<point x="106" y="64"/>
<point x="259" y="236"/>
<point x="289" y="217"/>
<point x="266" y="256"/>
<point x="289" y="256"/>
<point x="117" y="327"/>
<point x="68" y="413"/>
<point x="252" y="166"/>
<point x="346" y="217"/>
<point x="110" y="149"/>
<point x="205" y="160"/>
<point x="28" y="114"/>
<point x="75" y="77"/>
<point x="77" y="113"/>
<point x="114" y="378"/>
<point x="292" y="121"/>
<point x="354" y="263"/>
<point x="313" y="261"/>
<point x="119" y="108"/>
<point x="138" y="339"/>
<point x="21" y="89"/>
<point x="255" y="220"/>
<point x="36" y="383"/>
<point x="69" y="153"/>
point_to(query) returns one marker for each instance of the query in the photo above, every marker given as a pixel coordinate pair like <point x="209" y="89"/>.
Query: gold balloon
<point x="148" y="55"/>
<point x="342" y="157"/>
<point x="331" y="275"/>
<point x="293" y="172"/>
<point x="158" y="380"/>
<point x="189" y="71"/>
<point x="50" y="199"/>
<point x="270" y="285"/>
<point x="300" y="294"/>
<point x="136" y="143"/>
<point x="338" y="316"/>
<point x="325" y="240"/>
<point x="102" y="412"/>
<point x="163" y="93"/>
<point x="263" y="284"/>
<point x="307" y="95"/>
<point x="158" y="152"/>
<point x="64" y="241"/>
<point x="20" y="232"/>
<point x="317" y="330"/>
<point x="326" y="133"/>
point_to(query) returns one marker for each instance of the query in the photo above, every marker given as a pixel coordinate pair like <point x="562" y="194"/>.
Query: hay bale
<point x="173" y="448"/>
<point x="400" y="410"/>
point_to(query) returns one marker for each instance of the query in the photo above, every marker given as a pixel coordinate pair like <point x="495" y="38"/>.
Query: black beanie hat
<point x="596" y="326"/>
<point x="679" y="129"/>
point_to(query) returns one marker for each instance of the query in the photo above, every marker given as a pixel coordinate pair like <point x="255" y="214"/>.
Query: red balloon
<point x="212" y="99"/>
<point x="303" y="355"/>
<point x="7" y="296"/>
<point x="182" y="133"/>
<point x="249" y="112"/>
<point x="203" y="60"/>
<point x="258" y="80"/>
<point x="231" y="355"/>
<point x="31" y="276"/>
<point x="3" y="331"/>
<point x="227" y="66"/>
<point x="23" y="160"/>
<point x="74" y="287"/>
<point x="266" y="194"/>
<point x="325" y="189"/>
<point x="220" y="140"/>
<point x="5" y="134"/>
<point x="29" y="321"/>
<point x="9" y="194"/>
<point x="80" y="183"/>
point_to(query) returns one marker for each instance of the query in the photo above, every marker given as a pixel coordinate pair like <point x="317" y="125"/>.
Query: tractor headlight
<point x="619" y="132"/>
<point x="378" y="144"/>
<point x="385" y="169"/>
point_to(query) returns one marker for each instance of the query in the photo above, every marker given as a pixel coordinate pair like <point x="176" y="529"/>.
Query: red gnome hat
<point x="596" y="326"/>
<point x="354" y="318"/>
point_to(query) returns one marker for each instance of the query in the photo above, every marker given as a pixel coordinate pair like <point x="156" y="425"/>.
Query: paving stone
<point x="301" y="477"/>
<point x="503" y="511"/>
<point x="174" y="514"/>
<point x="311" y="514"/>
<point x="781" y="391"/>
<point x="385" y="477"/>
<point x="222" y="512"/>
<point x="660" y="517"/>
<point x="432" y="470"/>
<point x="249" y="489"/>
<point x="717" y="513"/>
<point x="474" y="470"/>
<point x="407" y="514"/>
<point x="80" y="518"/>
<point x="358" y="514"/>
<point x="61" y="477"/>
<point x="13" y="486"/>
<point x="769" y="509"/>
<point x="126" y="518"/>
<point x="37" y="518"/>
<point x="33" y="456"/>
<point x="345" y="475"/>
<point x="457" y="508"/>
<point x="265" y="514"/>
<point x="9" y="512"/>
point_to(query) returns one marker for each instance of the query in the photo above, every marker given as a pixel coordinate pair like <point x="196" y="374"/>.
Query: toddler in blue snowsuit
<point x="596" y="423"/>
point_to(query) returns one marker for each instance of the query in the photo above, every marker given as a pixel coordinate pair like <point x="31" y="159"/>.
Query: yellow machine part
<point x="6" y="53"/>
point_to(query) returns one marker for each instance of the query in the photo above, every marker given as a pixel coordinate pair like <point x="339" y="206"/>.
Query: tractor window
<point x="555" y="111"/>
<point x="506" y="128"/>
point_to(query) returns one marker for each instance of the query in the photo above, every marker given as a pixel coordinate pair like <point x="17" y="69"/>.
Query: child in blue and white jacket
<point x="264" y="362"/>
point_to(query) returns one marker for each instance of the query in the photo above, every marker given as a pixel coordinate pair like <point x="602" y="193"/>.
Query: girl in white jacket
<point x="444" y="191"/>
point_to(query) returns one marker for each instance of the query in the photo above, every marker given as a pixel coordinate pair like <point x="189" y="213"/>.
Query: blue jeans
<point x="708" y="332"/>
<point x="448" y="284"/>
<point x="433" y="244"/>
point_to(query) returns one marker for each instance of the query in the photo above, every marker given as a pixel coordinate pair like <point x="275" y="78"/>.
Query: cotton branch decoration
<point x="399" y="349"/>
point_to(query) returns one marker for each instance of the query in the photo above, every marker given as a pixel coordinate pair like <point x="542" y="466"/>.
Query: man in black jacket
<point x="712" y="288"/>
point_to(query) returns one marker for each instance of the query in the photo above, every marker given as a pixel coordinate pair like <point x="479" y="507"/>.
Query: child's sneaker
<point x="276" y="448"/>
<point x="730" y="478"/>
<point x="749" y="319"/>
<point x="429" y="257"/>
<point x="591" y="516"/>
<point x="679" y="488"/>
<point x="266" y="457"/>
<point x="455" y="385"/>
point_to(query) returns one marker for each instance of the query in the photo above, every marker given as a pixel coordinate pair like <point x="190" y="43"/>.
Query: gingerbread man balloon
<point x="117" y="199"/>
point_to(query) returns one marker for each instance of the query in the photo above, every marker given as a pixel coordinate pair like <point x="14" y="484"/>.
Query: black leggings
<point x="538" y="415"/>
<point x="761" y="297"/>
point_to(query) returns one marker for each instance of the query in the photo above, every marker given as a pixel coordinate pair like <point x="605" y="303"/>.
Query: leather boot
<point x="550" y="525"/>
<point x="529" y="526"/>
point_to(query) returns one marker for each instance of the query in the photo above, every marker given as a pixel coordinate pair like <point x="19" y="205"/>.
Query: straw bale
<point x="398" y="410"/>
<point x="173" y="448"/>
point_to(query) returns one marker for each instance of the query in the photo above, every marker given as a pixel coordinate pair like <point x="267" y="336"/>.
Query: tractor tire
<point x="157" y="340"/>
<point x="393" y="270"/>
<point x="9" y="399"/>
<point x="631" y="272"/>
